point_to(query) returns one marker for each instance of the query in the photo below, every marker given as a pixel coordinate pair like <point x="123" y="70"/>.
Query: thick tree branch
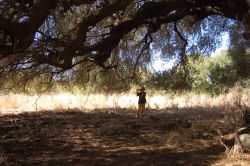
<point x="183" y="49"/>
<point x="115" y="21"/>
<point x="91" y="20"/>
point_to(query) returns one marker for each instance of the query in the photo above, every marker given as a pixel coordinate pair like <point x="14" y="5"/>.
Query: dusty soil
<point x="116" y="138"/>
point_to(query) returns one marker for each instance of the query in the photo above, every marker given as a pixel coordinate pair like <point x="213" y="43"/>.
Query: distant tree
<point x="223" y="76"/>
<point x="214" y="74"/>
<point x="200" y="69"/>
<point x="239" y="54"/>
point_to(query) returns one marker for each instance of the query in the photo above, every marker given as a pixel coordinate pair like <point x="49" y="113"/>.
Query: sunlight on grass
<point x="17" y="103"/>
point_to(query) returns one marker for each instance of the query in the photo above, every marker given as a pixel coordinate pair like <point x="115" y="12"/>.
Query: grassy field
<point x="66" y="129"/>
<point x="18" y="103"/>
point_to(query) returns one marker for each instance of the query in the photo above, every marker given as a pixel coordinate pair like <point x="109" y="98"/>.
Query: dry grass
<point x="17" y="103"/>
<point x="3" y="160"/>
<point x="241" y="159"/>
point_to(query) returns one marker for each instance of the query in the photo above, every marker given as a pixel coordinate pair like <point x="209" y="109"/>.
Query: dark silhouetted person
<point x="141" y="102"/>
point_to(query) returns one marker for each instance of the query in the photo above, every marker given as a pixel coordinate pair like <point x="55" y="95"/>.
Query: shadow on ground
<point x="107" y="138"/>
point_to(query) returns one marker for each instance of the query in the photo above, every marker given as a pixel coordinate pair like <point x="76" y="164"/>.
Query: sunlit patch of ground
<point x="104" y="137"/>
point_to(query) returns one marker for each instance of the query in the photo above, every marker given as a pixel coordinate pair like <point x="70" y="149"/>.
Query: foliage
<point x="177" y="79"/>
<point x="106" y="45"/>
<point x="223" y="75"/>
<point x="65" y="34"/>
<point x="238" y="53"/>
<point x="212" y="75"/>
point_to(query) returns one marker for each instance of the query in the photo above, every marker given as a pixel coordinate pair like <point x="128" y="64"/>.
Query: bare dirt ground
<point x="104" y="137"/>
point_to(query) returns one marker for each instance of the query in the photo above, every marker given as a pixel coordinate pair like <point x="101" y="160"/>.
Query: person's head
<point x="142" y="88"/>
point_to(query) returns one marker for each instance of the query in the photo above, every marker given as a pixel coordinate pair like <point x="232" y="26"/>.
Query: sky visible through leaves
<point x="159" y="65"/>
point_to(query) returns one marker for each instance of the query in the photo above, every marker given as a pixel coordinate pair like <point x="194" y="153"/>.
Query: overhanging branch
<point x="183" y="49"/>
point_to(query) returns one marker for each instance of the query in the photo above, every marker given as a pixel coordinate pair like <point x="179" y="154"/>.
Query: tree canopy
<point x="41" y="36"/>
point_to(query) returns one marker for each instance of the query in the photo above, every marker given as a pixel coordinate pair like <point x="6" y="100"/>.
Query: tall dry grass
<point x="17" y="103"/>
